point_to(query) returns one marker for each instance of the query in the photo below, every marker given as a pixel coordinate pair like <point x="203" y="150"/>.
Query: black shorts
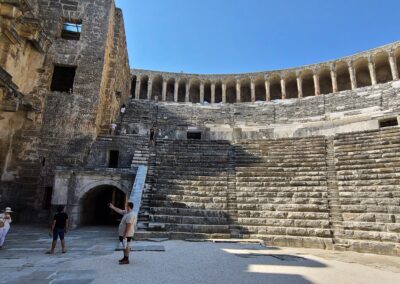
<point x="128" y="239"/>
<point x="57" y="232"/>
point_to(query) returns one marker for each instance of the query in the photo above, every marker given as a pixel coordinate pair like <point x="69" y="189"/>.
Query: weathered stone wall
<point x="321" y="115"/>
<point x="64" y="126"/>
<point x="124" y="144"/>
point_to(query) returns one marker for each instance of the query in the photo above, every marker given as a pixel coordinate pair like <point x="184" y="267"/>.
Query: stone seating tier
<point x="341" y="193"/>
<point x="368" y="173"/>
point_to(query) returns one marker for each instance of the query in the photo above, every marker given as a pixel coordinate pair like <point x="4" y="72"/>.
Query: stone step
<point x="188" y="220"/>
<point x="188" y="212"/>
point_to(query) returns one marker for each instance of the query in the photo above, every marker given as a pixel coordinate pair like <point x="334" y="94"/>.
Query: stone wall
<point x="61" y="126"/>
<point x="321" y="115"/>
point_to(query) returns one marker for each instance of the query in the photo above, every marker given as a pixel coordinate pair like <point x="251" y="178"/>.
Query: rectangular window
<point x="48" y="192"/>
<point x="388" y="122"/>
<point x="194" y="135"/>
<point x="72" y="30"/>
<point x="63" y="79"/>
<point x="113" y="158"/>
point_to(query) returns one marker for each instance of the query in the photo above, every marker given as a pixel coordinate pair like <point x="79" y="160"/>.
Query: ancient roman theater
<point x="302" y="157"/>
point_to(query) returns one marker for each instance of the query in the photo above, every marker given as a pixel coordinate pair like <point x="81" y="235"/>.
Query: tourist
<point x="59" y="228"/>
<point x="123" y="109"/>
<point x="126" y="229"/>
<point x="152" y="135"/>
<point x="122" y="112"/>
<point x="113" y="127"/>
<point x="5" y="220"/>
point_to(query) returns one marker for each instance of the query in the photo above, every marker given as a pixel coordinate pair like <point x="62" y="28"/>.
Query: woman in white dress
<point x="5" y="220"/>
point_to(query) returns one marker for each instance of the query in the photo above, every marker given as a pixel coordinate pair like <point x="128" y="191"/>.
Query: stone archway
<point x="94" y="205"/>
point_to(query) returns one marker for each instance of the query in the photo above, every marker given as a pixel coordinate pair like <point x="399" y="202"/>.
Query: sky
<point x="239" y="36"/>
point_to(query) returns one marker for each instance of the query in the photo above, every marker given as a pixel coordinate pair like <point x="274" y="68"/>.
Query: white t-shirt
<point x="129" y="218"/>
<point x="6" y="221"/>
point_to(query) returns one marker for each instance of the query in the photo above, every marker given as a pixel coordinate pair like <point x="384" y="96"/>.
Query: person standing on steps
<point x="59" y="228"/>
<point x="153" y="131"/>
<point x="5" y="220"/>
<point x="122" y="111"/>
<point x="126" y="228"/>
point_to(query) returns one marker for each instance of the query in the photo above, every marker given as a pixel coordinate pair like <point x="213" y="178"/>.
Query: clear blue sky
<point x="235" y="36"/>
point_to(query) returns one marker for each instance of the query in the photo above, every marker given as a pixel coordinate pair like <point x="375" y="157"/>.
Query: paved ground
<point x="91" y="258"/>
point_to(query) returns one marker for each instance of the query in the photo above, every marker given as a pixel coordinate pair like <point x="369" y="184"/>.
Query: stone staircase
<point x="187" y="191"/>
<point x="282" y="193"/>
<point x="335" y="212"/>
<point x="368" y="173"/>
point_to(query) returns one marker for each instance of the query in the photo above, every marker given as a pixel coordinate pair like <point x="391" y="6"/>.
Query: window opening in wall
<point x="388" y="122"/>
<point x="113" y="159"/>
<point x="72" y="30"/>
<point x="48" y="192"/>
<point x="63" y="79"/>
<point x="194" y="135"/>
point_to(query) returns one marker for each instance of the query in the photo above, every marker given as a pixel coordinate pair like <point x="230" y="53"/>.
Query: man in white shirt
<point x="126" y="228"/>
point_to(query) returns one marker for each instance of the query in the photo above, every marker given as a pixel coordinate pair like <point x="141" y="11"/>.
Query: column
<point x="238" y="95"/>
<point x="300" y="87"/>
<point x="334" y="81"/>
<point x="283" y="88"/>
<point x="164" y="91"/>
<point x="371" y="67"/>
<point x="316" y="85"/>
<point x="393" y="66"/>
<point x="213" y="93"/>
<point x="149" y="89"/>
<point x="267" y="91"/>
<point x="253" y="91"/>
<point x="187" y="86"/>
<point x="223" y="92"/>
<point x="176" y="89"/>
<point x="352" y="76"/>
<point x="201" y="92"/>
<point x="138" y="89"/>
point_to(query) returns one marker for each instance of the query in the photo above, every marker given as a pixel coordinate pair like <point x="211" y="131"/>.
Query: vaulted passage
<point x="343" y="77"/>
<point x="94" y="206"/>
<point x="362" y="73"/>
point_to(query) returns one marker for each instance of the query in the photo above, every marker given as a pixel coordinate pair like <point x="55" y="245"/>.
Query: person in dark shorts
<point x="59" y="228"/>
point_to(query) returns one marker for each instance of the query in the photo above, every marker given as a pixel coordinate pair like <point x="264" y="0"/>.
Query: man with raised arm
<point x="126" y="228"/>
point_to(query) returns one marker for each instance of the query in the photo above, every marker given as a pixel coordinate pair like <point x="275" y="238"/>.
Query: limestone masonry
<point x="306" y="157"/>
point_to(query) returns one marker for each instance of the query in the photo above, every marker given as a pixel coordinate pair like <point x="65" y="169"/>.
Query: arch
<point x="325" y="80"/>
<point x="363" y="77"/>
<point x="382" y="68"/>
<point x="218" y="92"/>
<point x="133" y="86"/>
<point x="260" y="89"/>
<point x="275" y="88"/>
<point x="245" y="90"/>
<point x="291" y="86"/>
<point x="343" y="76"/>
<point x="308" y="83"/>
<point x="231" y="91"/>
<point x="207" y="91"/>
<point x="170" y="90"/>
<point x="194" y="91"/>
<point x="182" y="90"/>
<point x="94" y="205"/>
<point x="144" y="86"/>
<point x="157" y="87"/>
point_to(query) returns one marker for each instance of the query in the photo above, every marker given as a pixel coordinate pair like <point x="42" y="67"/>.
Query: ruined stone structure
<point x="66" y="72"/>
<point x="306" y="157"/>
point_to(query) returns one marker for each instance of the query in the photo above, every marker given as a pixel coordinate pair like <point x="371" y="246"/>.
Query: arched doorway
<point x="94" y="205"/>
